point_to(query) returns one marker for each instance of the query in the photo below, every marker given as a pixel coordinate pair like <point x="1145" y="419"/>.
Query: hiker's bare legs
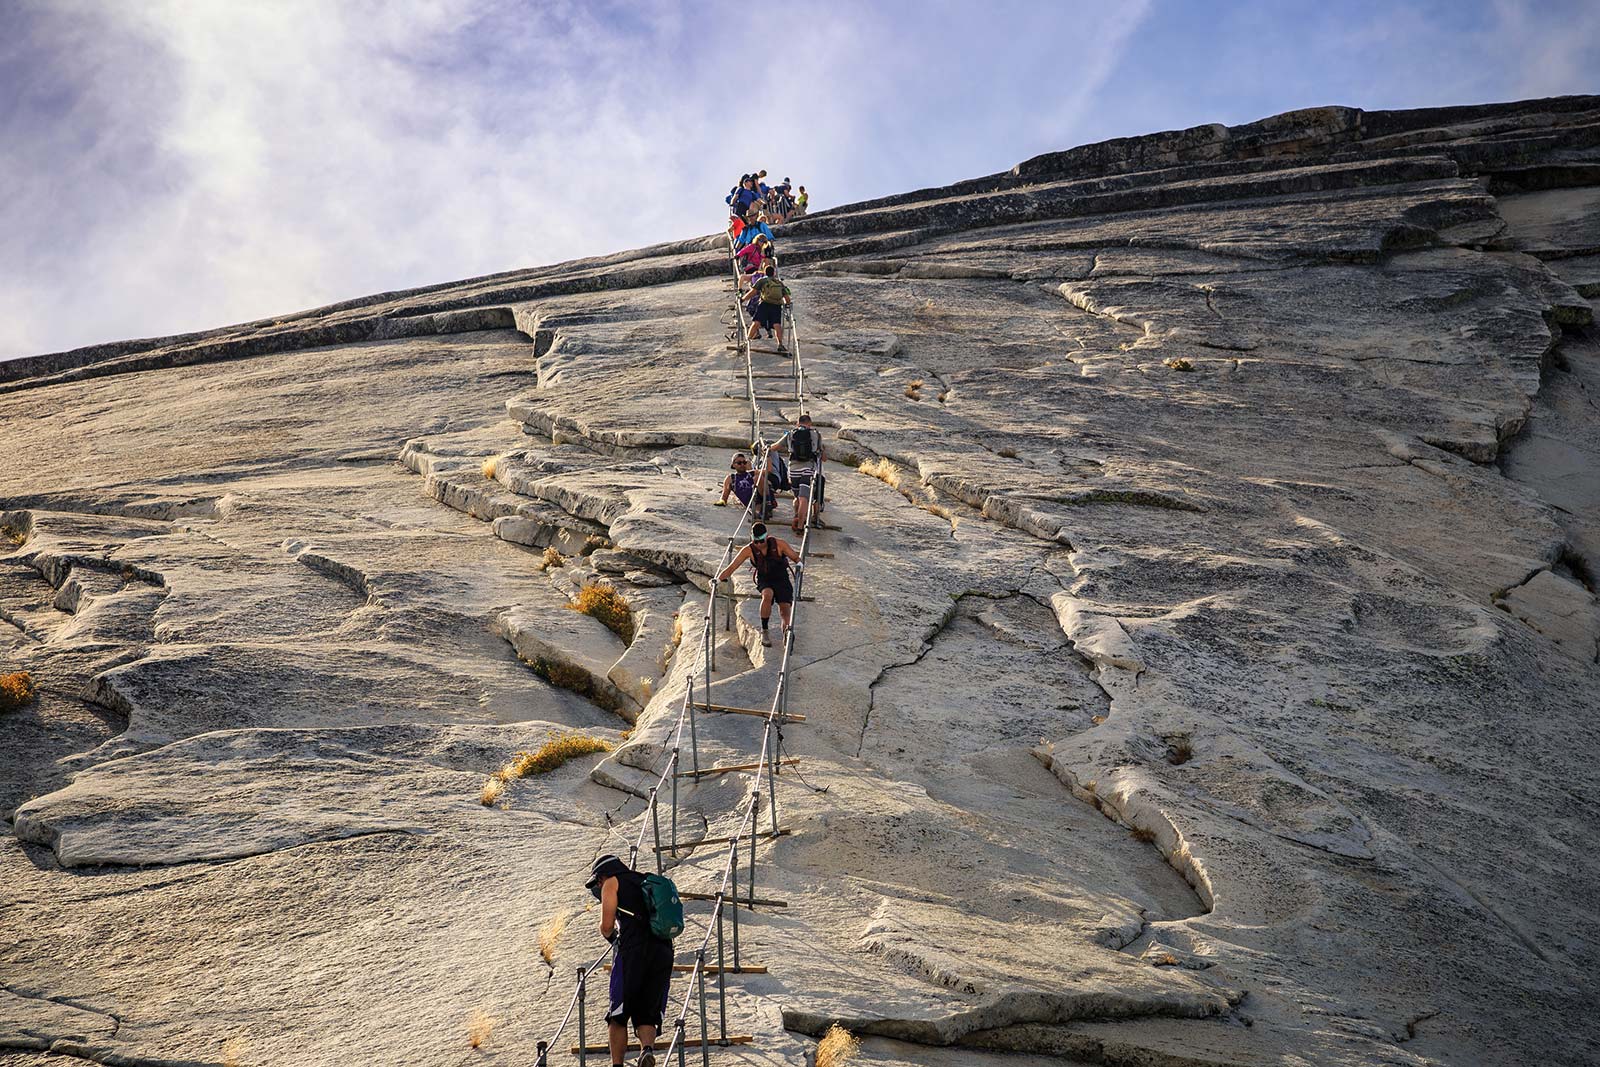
<point x="777" y="332"/>
<point x="800" y="507"/>
<point x="783" y="610"/>
<point x="766" y="606"/>
<point x="618" y="1037"/>
<point x="647" y="1038"/>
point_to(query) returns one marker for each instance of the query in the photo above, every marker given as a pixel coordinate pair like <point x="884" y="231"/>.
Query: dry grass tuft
<point x="1007" y="453"/>
<point x="1180" y="750"/>
<point x="552" y="558"/>
<point x="914" y="390"/>
<point x="490" y="466"/>
<point x="479" y="1027"/>
<point x="549" y="934"/>
<point x="12" y="534"/>
<point x="1178" y="363"/>
<point x="941" y="511"/>
<point x="1097" y="719"/>
<point x="553" y="753"/>
<point x="677" y="629"/>
<point x="493" y="788"/>
<point x="1166" y="959"/>
<point x="602" y="602"/>
<point x="837" y="1047"/>
<point x="882" y="469"/>
<point x="16" y="690"/>
<point x="1144" y="835"/>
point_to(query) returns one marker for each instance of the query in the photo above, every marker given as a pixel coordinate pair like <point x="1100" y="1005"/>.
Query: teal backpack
<point x="662" y="906"/>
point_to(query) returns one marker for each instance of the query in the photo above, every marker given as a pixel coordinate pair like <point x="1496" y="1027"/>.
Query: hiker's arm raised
<point x="744" y="554"/>
<point x="608" y="908"/>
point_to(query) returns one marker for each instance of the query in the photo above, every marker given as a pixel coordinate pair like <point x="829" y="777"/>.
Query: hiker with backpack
<point x="770" y="296"/>
<point x="640" y="914"/>
<point x="769" y="557"/>
<point x="752" y="230"/>
<point x="804" y="445"/>
<point x="749" y="258"/>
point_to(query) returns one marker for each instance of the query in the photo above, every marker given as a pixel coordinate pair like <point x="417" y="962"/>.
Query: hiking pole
<point x="583" y="1028"/>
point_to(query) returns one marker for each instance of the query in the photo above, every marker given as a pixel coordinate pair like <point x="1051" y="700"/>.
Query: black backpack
<point x="803" y="444"/>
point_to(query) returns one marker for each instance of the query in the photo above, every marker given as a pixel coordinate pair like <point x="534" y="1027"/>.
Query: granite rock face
<point x="1203" y="670"/>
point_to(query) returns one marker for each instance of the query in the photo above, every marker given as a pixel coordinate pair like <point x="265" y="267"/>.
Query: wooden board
<point x="666" y="1039"/>
<point x="685" y="846"/>
<point x="744" y="901"/>
<point x="708" y="772"/>
<point x="724" y="709"/>
<point x="712" y="968"/>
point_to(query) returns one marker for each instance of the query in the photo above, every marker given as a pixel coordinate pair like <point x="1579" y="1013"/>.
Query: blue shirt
<point x="750" y="233"/>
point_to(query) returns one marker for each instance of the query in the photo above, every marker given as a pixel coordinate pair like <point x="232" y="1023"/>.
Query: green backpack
<point x="772" y="291"/>
<point x="662" y="906"/>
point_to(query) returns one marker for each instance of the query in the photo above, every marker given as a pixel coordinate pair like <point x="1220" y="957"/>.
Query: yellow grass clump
<point x="16" y="689"/>
<point x="882" y="469"/>
<point x="914" y="389"/>
<point x="553" y="753"/>
<point x="552" y="558"/>
<point x="1179" y="363"/>
<point x="549" y="934"/>
<point x="490" y="466"/>
<point x="479" y="1027"/>
<point x="493" y="787"/>
<point x="600" y="601"/>
<point x="837" y="1047"/>
<point x="12" y="534"/>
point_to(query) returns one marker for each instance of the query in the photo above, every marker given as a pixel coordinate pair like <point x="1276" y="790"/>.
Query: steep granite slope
<point x="1204" y="670"/>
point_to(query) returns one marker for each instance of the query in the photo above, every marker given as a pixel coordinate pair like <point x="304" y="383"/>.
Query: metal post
<point x="633" y="855"/>
<point x="543" y="1050"/>
<point x="674" y="773"/>
<point x="733" y="893"/>
<point x="655" y="820"/>
<point x="683" y="1052"/>
<point x="705" y="1038"/>
<point x="583" y="1025"/>
<point x="772" y="781"/>
<point x="694" y="737"/>
<point x="722" y="977"/>
<point x="756" y="800"/>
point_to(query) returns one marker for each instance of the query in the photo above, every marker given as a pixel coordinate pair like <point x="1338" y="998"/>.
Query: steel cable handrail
<point x="765" y="766"/>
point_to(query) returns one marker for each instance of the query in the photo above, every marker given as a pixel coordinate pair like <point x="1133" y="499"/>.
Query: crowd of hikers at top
<point x="641" y="913"/>
<point x="754" y="207"/>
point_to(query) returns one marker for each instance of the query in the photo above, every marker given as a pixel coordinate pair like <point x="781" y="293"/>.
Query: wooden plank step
<point x="685" y="846"/>
<point x="757" y="596"/>
<point x="744" y="901"/>
<point x="708" y="772"/>
<point x="727" y="710"/>
<point x="712" y="968"/>
<point x="666" y="1039"/>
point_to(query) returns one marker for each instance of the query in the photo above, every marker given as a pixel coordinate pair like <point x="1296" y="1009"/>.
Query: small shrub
<point x="837" y="1047"/>
<point x="1166" y="959"/>
<point x="1143" y="834"/>
<point x="551" y="558"/>
<point x="490" y="467"/>
<point x="1178" y="363"/>
<point x="944" y="395"/>
<point x="1180" y="750"/>
<point x="602" y="602"/>
<point x="16" y="690"/>
<point x="549" y="934"/>
<point x="493" y="787"/>
<point x="564" y="676"/>
<point x="914" y="390"/>
<point x="1007" y="453"/>
<point x="12" y="534"/>
<point x="479" y="1027"/>
<point x="553" y="753"/>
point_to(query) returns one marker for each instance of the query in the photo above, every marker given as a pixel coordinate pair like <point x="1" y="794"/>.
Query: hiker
<point x="759" y="228"/>
<point x="771" y="296"/>
<point x="735" y="225"/>
<point x="800" y="202"/>
<point x="804" y="445"/>
<point x="642" y="969"/>
<point x="749" y="258"/>
<point x="770" y="558"/>
<point x="742" y="483"/>
<point x="745" y="195"/>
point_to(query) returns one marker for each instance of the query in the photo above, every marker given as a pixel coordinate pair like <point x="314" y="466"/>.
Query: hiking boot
<point x="647" y="1059"/>
<point x="766" y="638"/>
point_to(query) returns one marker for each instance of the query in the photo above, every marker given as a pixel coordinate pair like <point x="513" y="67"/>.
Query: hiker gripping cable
<point x="770" y="558"/>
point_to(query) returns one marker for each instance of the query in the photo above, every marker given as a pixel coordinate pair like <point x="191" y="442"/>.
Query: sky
<point x="175" y="165"/>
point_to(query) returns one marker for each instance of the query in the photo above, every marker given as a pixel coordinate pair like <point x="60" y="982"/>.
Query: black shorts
<point x="782" y="588"/>
<point x="639" y="985"/>
<point x="769" y="315"/>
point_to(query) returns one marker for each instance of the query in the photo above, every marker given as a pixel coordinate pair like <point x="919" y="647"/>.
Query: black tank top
<point x="769" y="563"/>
